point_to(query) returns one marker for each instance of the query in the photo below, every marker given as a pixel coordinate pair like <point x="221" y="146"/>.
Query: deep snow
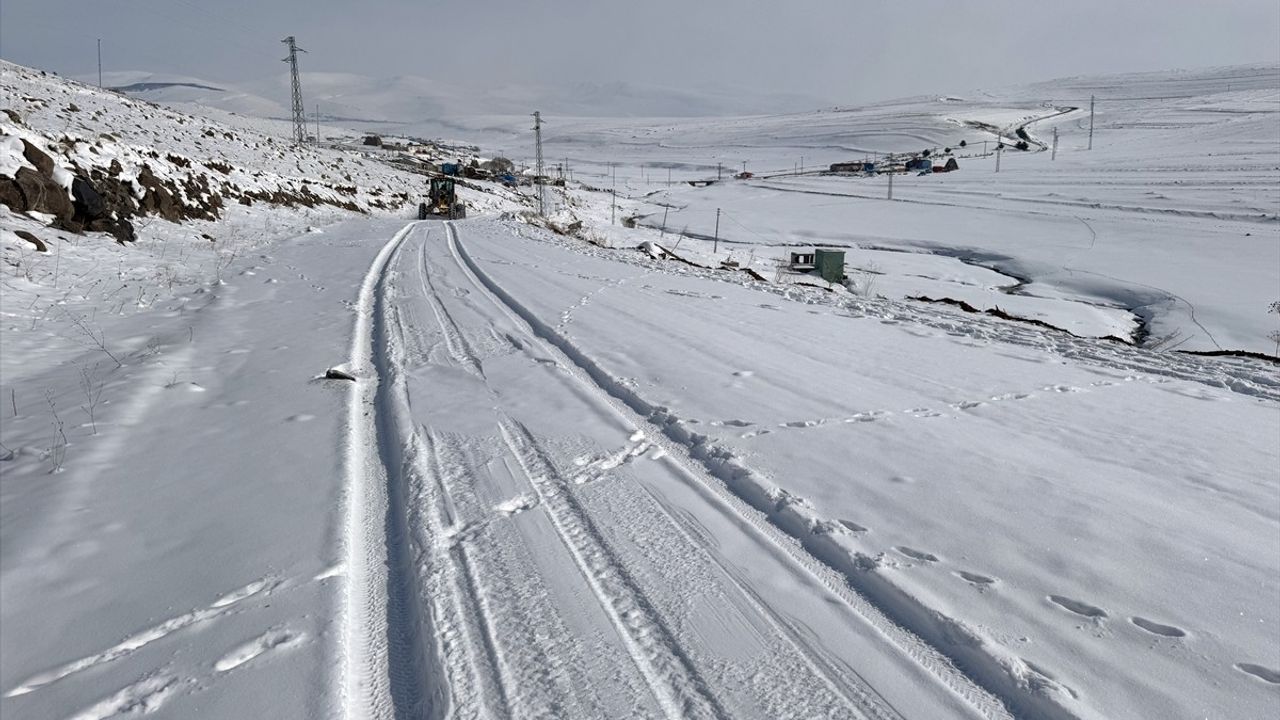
<point x="585" y="481"/>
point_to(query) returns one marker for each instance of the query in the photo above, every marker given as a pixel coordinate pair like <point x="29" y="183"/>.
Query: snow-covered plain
<point x="582" y="481"/>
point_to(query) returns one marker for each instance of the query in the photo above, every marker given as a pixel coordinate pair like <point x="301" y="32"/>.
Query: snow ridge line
<point x="677" y="687"/>
<point x="957" y="656"/>
<point x="362" y="682"/>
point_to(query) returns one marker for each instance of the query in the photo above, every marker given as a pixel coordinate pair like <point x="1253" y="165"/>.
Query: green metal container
<point x="829" y="264"/>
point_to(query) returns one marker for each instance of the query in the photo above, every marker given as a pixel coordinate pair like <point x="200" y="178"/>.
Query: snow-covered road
<point x="578" y="482"/>
<point x="552" y="555"/>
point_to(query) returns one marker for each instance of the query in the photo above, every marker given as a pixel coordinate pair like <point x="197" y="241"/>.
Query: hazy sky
<point x="842" y="51"/>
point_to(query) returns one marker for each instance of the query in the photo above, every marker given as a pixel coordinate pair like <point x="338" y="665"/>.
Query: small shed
<point x="802" y="261"/>
<point x="829" y="264"/>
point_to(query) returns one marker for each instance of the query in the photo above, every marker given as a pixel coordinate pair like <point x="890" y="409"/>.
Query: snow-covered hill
<point x="373" y="102"/>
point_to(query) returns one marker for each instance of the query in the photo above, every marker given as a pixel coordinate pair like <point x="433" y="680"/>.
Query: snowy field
<point x="334" y="464"/>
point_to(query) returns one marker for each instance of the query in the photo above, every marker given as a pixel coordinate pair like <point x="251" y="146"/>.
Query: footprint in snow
<point x="273" y="640"/>
<point x="1083" y="609"/>
<point x="1263" y="673"/>
<point x="516" y="505"/>
<point x="917" y="554"/>
<point x="1156" y="628"/>
<point x="980" y="581"/>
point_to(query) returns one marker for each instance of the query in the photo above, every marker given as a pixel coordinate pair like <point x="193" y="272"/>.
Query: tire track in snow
<point x="385" y="663"/>
<point x="459" y="349"/>
<point x="680" y="691"/>
<point x="732" y="485"/>
<point x="788" y="655"/>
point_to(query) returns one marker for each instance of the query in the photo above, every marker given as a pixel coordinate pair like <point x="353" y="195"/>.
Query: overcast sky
<point x="841" y="51"/>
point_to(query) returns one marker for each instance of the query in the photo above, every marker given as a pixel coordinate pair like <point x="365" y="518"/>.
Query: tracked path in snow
<point x="521" y="547"/>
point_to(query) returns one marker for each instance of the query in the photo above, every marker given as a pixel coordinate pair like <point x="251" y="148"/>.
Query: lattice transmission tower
<point x="538" y="176"/>
<point x="299" y="112"/>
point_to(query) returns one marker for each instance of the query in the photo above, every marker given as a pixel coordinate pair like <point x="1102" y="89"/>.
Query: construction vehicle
<point x="442" y="201"/>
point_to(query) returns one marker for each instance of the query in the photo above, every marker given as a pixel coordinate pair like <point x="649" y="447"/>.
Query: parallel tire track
<point x="678" y="688"/>
<point x="743" y="505"/>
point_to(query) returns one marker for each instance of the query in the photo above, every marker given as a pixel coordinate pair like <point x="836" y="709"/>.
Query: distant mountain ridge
<point x="414" y="99"/>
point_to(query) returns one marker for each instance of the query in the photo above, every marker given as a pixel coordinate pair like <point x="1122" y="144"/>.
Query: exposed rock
<point x="37" y="157"/>
<point x="88" y="202"/>
<point x="11" y="195"/>
<point x="13" y="116"/>
<point x="41" y="194"/>
<point x="40" y="246"/>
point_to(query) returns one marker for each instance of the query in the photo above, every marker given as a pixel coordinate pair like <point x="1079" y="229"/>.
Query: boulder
<point x="89" y="205"/>
<point x="42" y="194"/>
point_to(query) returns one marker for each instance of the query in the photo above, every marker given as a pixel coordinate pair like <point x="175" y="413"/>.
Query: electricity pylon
<point x="299" y="112"/>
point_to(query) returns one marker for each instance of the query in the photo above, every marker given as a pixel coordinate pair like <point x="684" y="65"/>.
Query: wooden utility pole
<point x="1091" y="98"/>
<point x="890" y="183"/>
<point x="1054" y="154"/>
<point x="715" y="244"/>
<point x="99" y="62"/>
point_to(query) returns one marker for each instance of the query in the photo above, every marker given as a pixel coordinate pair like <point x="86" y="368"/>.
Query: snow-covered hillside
<point x="376" y="103"/>
<point x="1166" y="233"/>
<point x="300" y="460"/>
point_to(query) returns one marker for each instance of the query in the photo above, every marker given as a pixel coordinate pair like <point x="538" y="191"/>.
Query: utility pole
<point x="668" y="177"/>
<point x="663" y="232"/>
<point x="890" y="183"/>
<point x="1091" y="98"/>
<point x="802" y="164"/>
<point x="299" y="111"/>
<point x="715" y="244"/>
<point x="317" y="123"/>
<point x="718" y="170"/>
<point x="537" y="177"/>
<point x="1054" y="154"/>
<point x="99" y="62"/>
<point x="613" y="192"/>
<point x="999" y="151"/>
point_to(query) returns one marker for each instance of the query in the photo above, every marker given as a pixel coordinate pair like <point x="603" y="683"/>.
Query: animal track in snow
<point x="981" y="581"/>
<point x="1156" y="628"/>
<point x="141" y="698"/>
<point x="1083" y="609"/>
<point x="730" y="423"/>
<point x="1261" y="672"/>
<point x="1061" y="389"/>
<point x="273" y="640"/>
<point x="917" y="554"/>
<point x="146" y="637"/>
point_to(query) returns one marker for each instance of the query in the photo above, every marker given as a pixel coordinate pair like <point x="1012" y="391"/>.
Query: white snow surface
<point x="582" y="481"/>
